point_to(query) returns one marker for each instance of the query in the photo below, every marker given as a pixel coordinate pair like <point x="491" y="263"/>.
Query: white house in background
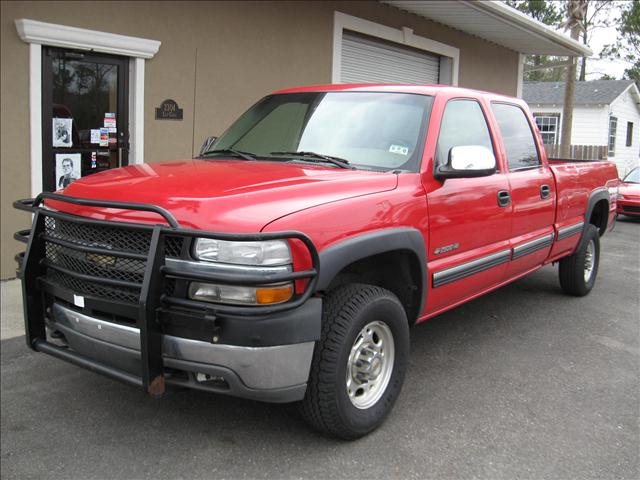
<point x="606" y="112"/>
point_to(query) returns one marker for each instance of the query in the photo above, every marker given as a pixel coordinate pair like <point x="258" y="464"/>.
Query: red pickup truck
<point x="288" y="262"/>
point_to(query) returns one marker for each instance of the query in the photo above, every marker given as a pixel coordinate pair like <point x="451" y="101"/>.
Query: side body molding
<point x="337" y="256"/>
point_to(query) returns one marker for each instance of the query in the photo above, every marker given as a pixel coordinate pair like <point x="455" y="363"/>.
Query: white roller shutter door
<point x="367" y="60"/>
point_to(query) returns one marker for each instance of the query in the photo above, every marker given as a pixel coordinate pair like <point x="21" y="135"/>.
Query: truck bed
<point x="576" y="181"/>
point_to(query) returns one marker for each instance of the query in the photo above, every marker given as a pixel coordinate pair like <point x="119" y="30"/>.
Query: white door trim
<point x="53" y="35"/>
<point x="37" y="34"/>
<point x="403" y="36"/>
<point x="35" y="117"/>
<point x="136" y="111"/>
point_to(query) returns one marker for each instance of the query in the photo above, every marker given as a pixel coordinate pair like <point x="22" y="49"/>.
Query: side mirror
<point x="468" y="161"/>
<point x="207" y="144"/>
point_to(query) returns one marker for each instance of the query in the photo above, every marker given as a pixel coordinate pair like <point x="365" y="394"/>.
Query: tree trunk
<point x="575" y="12"/>
<point x="583" y="68"/>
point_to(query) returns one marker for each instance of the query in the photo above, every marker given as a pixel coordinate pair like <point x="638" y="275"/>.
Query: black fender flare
<point x="338" y="255"/>
<point x="596" y="196"/>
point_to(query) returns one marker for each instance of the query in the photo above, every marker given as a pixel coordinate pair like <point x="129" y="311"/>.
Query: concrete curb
<point x="11" y="316"/>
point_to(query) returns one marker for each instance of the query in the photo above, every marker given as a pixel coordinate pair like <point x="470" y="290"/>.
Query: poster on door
<point x="67" y="168"/>
<point x="62" y="132"/>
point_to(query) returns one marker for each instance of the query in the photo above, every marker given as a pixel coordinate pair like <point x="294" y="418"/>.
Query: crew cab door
<point x="532" y="189"/>
<point x="469" y="218"/>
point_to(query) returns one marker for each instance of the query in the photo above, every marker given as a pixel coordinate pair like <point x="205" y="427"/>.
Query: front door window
<point x="85" y="124"/>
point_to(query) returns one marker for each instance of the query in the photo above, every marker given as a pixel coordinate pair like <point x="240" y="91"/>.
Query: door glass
<point x="463" y="124"/>
<point x="517" y="136"/>
<point x="84" y="106"/>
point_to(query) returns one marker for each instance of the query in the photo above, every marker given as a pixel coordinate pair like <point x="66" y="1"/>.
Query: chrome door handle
<point x="504" y="198"/>
<point x="545" y="191"/>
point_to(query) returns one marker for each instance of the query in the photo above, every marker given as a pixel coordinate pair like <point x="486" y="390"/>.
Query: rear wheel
<point x="359" y="363"/>
<point x="578" y="272"/>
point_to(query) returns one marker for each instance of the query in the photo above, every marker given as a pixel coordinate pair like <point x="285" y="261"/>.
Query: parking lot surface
<point x="524" y="382"/>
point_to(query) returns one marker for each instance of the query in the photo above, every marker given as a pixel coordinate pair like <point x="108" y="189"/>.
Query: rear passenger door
<point x="532" y="189"/>
<point x="469" y="228"/>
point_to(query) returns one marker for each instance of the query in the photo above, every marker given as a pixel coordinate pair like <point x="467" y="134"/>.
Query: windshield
<point x="370" y="130"/>
<point x="633" y="176"/>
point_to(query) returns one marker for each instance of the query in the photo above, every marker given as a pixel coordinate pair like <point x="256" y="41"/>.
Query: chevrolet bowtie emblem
<point x="101" y="260"/>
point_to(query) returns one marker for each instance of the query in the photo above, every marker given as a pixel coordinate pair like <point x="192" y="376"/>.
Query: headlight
<point x="264" y="253"/>
<point x="240" y="295"/>
<point x="620" y="196"/>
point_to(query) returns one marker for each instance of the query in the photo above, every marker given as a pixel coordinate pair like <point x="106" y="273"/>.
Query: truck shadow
<point x="65" y="400"/>
<point x="628" y="219"/>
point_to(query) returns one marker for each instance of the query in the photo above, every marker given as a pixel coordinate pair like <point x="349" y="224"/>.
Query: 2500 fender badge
<point x="446" y="248"/>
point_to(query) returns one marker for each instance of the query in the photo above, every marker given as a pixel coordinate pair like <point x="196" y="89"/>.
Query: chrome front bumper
<point x="274" y="374"/>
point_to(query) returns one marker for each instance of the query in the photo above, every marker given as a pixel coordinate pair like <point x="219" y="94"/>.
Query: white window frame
<point x="611" y="144"/>
<point x="450" y="56"/>
<point x="37" y="34"/>
<point x="556" y="134"/>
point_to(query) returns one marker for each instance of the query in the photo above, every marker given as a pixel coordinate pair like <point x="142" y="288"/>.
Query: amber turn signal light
<point x="265" y="296"/>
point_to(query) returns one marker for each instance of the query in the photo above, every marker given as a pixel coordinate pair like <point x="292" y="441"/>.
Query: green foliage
<point x="627" y="47"/>
<point x="544" y="11"/>
<point x="546" y="75"/>
<point x="597" y="15"/>
<point x="550" y="13"/>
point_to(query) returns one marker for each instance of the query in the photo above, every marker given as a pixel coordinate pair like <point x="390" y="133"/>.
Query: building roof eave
<point x="496" y="22"/>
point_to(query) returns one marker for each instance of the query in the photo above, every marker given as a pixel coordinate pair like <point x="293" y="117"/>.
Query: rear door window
<point x="517" y="136"/>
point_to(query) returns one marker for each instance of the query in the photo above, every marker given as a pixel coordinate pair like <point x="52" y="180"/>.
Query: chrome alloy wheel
<point x="370" y="364"/>
<point x="589" y="260"/>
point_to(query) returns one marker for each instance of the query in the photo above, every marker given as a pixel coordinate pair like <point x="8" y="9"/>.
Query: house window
<point x="613" y="126"/>
<point x="629" y="134"/>
<point x="548" y="126"/>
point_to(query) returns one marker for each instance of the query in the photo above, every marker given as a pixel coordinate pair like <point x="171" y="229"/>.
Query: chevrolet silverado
<point x="288" y="261"/>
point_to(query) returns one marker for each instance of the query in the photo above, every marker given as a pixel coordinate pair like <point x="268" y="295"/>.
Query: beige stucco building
<point x="215" y="59"/>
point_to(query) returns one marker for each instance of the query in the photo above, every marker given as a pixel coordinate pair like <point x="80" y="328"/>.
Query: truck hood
<point x="221" y="195"/>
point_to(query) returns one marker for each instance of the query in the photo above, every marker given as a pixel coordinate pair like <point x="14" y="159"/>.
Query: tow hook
<point x="211" y="324"/>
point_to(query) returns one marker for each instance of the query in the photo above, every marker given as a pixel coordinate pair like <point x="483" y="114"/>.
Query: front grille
<point x="118" y="294"/>
<point x="127" y="240"/>
<point x="69" y="260"/>
<point x="96" y="265"/>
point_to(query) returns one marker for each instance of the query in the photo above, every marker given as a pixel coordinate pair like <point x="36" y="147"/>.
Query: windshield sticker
<point x="399" y="149"/>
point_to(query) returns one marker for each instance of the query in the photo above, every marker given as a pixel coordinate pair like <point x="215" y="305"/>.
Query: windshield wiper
<point x="236" y="153"/>
<point x="317" y="157"/>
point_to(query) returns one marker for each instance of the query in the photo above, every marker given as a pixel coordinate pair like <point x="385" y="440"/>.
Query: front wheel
<point x="578" y="271"/>
<point x="359" y="363"/>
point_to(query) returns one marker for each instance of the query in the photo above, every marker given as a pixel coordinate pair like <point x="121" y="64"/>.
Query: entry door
<point x="84" y="113"/>
<point x="469" y="218"/>
<point x="532" y="190"/>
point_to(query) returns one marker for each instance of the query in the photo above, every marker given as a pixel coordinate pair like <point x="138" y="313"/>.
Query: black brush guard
<point x="33" y="265"/>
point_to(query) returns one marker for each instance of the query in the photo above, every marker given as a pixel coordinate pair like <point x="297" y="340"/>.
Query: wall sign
<point x="168" y="110"/>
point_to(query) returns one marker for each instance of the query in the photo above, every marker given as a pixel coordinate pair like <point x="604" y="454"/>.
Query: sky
<point x="599" y="38"/>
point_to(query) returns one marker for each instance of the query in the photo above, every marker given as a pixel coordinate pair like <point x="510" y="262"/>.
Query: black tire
<point x="347" y="311"/>
<point x="572" y="268"/>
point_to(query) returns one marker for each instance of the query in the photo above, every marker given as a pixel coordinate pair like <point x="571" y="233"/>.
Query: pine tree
<point x="627" y="47"/>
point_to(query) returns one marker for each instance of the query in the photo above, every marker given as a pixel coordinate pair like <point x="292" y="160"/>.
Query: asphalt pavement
<point x="524" y="382"/>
